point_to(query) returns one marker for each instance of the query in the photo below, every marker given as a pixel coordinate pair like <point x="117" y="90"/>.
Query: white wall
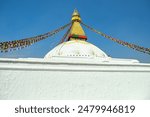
<point x="40" y="80"/>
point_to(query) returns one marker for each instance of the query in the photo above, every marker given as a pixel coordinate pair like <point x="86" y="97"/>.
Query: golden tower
<point x="76" y="32"/>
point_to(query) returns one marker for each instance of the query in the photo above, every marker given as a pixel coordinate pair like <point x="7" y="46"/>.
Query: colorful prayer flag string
<point x="129" y="45"/>
<point x="22" y="43"/>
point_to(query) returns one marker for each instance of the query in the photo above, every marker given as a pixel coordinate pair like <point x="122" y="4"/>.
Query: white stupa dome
<point x="76" y="48"/>
<point x="76" y="45"/>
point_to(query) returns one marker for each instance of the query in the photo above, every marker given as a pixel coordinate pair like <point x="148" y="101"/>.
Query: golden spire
<point x="76" y="31"/>
<point x="76" y="16"/>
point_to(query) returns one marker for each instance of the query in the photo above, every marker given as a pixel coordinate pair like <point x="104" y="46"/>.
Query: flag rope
<point x="129" y="45"/>
<point x="17" y="44"/>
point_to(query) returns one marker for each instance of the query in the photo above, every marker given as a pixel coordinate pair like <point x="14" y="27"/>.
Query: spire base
<point x="74" y="36"/>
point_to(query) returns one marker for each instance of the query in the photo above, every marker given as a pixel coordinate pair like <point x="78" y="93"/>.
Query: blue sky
<point x="128" y="20"/>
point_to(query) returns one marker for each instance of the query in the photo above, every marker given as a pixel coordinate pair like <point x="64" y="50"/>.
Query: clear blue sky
<point x="128" y="20"/>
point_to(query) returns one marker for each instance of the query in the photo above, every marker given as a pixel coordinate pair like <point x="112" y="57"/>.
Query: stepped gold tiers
<point x="76" y="46"/>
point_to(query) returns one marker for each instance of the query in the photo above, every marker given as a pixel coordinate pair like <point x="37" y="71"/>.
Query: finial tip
<point x="76" y="16"/>
<point x="75" y="12"/>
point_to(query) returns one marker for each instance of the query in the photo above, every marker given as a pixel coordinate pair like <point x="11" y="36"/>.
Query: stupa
<point x="75" y="69"/>
<point x="77" y="46"/>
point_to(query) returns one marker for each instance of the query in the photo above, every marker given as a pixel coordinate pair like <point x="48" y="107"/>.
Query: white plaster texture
<point x="74" y="78"/>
